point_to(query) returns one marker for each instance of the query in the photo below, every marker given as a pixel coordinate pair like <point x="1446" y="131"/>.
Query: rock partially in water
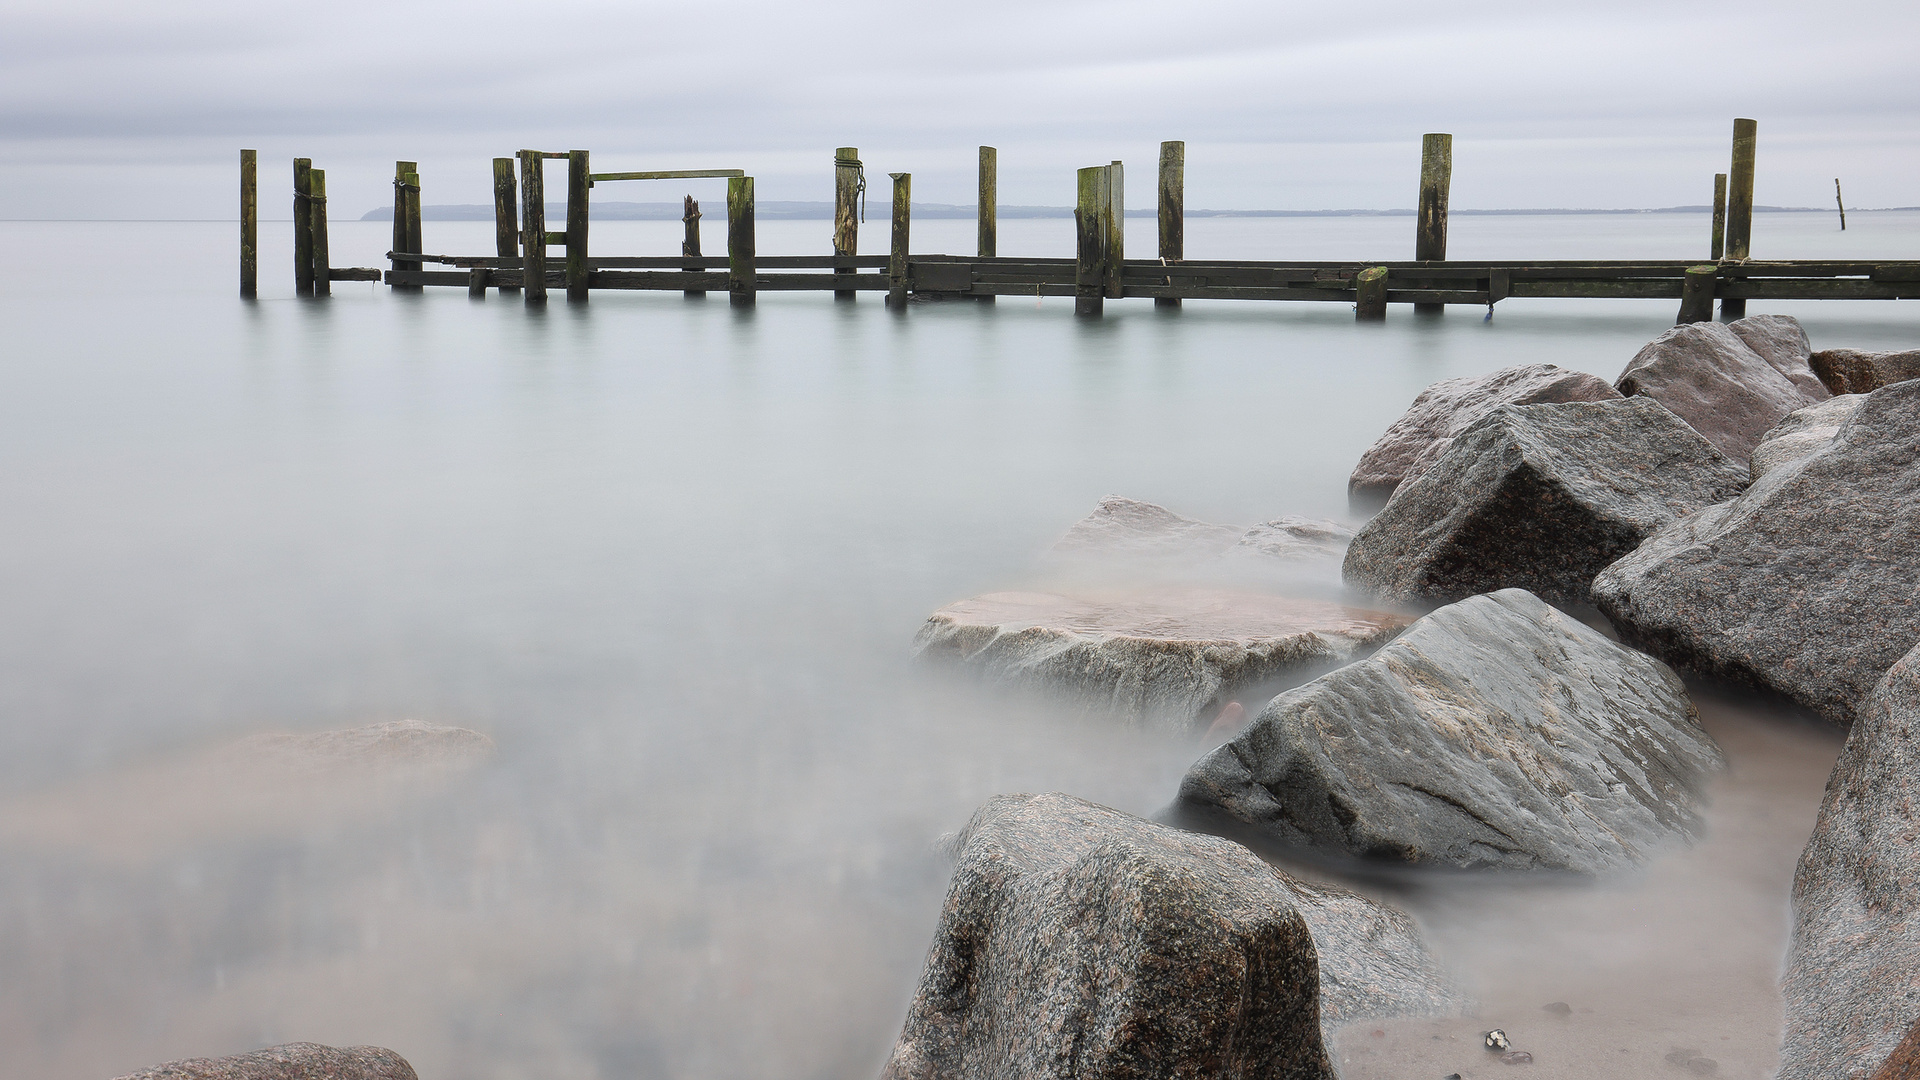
<point x="1711" y="379"/>
<point x="1807" y="585"/>
<point x="1448" y="408"/>
<point x="294" y="1061"/>
<point x="1167" y="658"/>
<point x="1294" y="538"/>
<point x="1539" y="497"/>
<point x="1803" y="432"/>
<point x="1850" y="371"/>
<point x="1853" y="972"/>
<point x="1782" y="342"/>
<point x="1078" y="941"/>
<point x="1129" y="534"/>
<point x="399" y="744"/>
<point x="1496" y="733"/>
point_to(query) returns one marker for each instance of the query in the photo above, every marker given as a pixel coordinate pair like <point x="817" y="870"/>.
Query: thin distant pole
<point x="1841" y="203"/>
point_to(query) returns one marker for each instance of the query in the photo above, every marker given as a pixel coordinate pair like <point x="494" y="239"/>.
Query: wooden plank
<point x="302" y="227"/>
<point x="1172" y="216"/>
<point x="317" y="201"/>
<point x="533" y="226"/>
<point x="741" y="287"/>
<point x="353" y="273"/>
<point x="577" y="205"/>
<point x="659" y="174"/>
<point x="690" y="261"/>
<point x="849" y="181"/>
<point x="1090" y="251"/>
<point x="249" y="224"/>
<point x="667" y="281"/>
<point x="506" y="217"/>
<point x="902" y="227"/>
<point x="825" y="282"/>
<point x="1370" y="295"/>
<point x="1430" y="223"/>
<point x="1719" y="244"/>
<point x="1696" y="295"/>
<point x="939" y="276"/>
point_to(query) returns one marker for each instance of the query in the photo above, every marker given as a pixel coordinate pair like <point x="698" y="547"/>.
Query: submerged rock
<point x="1167" y="658"/>
<point x="1782" y="342"/>
<point x="1709" y="377"/>
<point x="1850" y="371"/>
<point x="1539" y="497"/>
<point x="1078" y="941"/>
<point x="1130" y="533"/>
<point x="1294" y="538"/>
<point x="1807" y="585"/>
<point x="1495" y="733"/>
<point x="1448" y="408"/>
<point x="1803" y="432"/>
<point x="294" y="1061"/>
<point x="1853" y="971"/>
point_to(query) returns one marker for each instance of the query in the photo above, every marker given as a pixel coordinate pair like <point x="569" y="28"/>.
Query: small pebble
<point x="1497" y="1040"/>
<point x="1516" y="1057"/>
<point x="1559" y="1008"/>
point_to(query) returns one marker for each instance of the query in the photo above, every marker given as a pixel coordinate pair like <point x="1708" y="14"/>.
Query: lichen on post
<point x="1436" y="181"/>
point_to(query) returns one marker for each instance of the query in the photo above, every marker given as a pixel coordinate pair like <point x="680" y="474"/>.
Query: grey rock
<point x="396" y="744"/>
<point x="1495" y="733"/>
<point x="1850" y="371"/>
<point x="1131" y="534"/>
<point x="1780" y="341"/>
<point x="1167" y="658"/>
<point x="1714" y="381"/>
<point x="1803" y="432"/>
<point x="1294" y="538"/>
<point x="294" y="1061"/>
<point x="1807" y="585"/>
<point x="1852" y="986"/>
<point x="1539" y="497"/>
<point x="1448" y="408"/>
<point x="1078" y="941"/>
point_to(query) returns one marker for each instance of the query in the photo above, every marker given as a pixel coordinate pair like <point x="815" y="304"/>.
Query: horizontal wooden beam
<point x="665" y="174"/>
<point x="352" y="273"/>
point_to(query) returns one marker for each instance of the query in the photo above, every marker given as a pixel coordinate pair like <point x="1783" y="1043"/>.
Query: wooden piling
<point x="986" y="210"/>
<point x="1116" y="229"/>
<point x="249" y="224"/>
<point x="1719" y="216"/>
<point x="1696" y="294"/>
<point x="533" y="227"/>
<point x="506" y="216"/>
<point x="1740" y="206"/>
<point x="1370" y="294"/>
<point x="1173" y="210"/>
<point x="302" y="227"/>
<point x="1841" y="203"/>
<point x="849" y="181"/>
<point x="902" y="228"/>
<point x="1436" y="182"/>
<point x="690" y="246"/>
<point x="577" y="195"/>
<point x="477" y="279"/>
<point x="1089" y="248"/>
<point x="317" y="214"/>
<point x="406" y="191"/>
<point x="742" y="285"/>
<point x="412" y="191"/>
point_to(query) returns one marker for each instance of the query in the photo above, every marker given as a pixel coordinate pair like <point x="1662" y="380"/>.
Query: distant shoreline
<point x="823" y="211"/>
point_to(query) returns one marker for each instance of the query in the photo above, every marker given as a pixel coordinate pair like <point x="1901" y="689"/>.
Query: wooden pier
<point x="1099" y="271"/>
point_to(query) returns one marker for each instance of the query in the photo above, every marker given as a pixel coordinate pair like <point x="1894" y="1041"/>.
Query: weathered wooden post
<point x="1841" y="203"/>
<point x="1173" y="210"/>
<point x="414" y="244"/>
<point x="1696" y="294"/>
<point x="1740" y="207"/>
<point x="533" y="227"/>
<point x="406" y="189"/>
<point x="902" y="229"/>
<point x="577" y="188"/>
<point x="1436" y="181"/>
<point x="1370" y="294"/>
<point x="1090" y="240"/>
<point x="302" y="226"/>
<point x="322" y="258"/>
<point x="506" y="216"/>
<point x="1719" y="216"/>
<point x="1116" y="229"/>
<point x="742" y="286"/>
<point x="849" y="183"/>
<point x="986" y="210"/>
<point x="690" y="246"/>
<point x="249" y="224"/>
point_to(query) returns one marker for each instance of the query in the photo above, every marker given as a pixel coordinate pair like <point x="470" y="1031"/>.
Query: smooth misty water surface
<point x="671" y="557"/>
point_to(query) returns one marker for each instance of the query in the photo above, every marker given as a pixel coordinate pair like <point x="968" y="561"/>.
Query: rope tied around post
<point x="859" y="181"/>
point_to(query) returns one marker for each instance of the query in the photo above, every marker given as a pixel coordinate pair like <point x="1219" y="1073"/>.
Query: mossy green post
<point x="1116" y="228"/>
<point x="847" y="175"/>
<point x="1740" y="207"/>
<point x="690" y="243"/>
<point x="249" y="224"/>
<point x="902" y="233"/>
<point x="1696" y="294"/>
<point x="302" y="227"/>
<point x="1173" y="210"/>
<point x="577" y="198"/>
<point x="1719" y="216"/>
<point x="322" y="258"/>
<point x="1090" y="240"/>
<point x="986" y="212"/>
<point x="1436" y="182"/>
<point x="742" y="284"/>
<point x="533" y="227"/>
<point x="506" y="216"/>
<point x="1370" y="294"/>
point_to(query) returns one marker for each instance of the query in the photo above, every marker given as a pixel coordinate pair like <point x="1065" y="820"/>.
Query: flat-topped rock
<point x="1712" y="379"/>
<point x="1782" y="342"/>
<point x="1538" y="497"/>
<point x="1132" y="534"/>
<point x="1080" y="942"/>
<point x="1852" y="986"/>
<point x="1495" y="733"/>
<point x="294" y="1061"/>
<point x="1448" y="408"/>
<point x="1803" y="432"/>
<point x="1851" y="371"/>
<point x="1166" y="658"/>
<point x="1808" y="584"/>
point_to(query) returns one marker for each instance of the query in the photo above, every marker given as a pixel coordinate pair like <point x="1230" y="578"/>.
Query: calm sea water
<point x="671" y="557"/>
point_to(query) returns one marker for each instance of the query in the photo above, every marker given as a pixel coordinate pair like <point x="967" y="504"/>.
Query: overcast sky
<point x="118" y="109"/>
